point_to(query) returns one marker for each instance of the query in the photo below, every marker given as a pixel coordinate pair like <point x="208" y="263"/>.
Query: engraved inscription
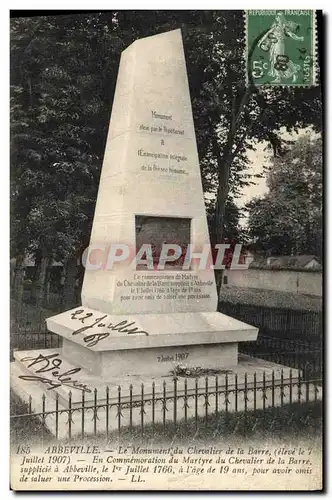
<point x="179" y="356"/>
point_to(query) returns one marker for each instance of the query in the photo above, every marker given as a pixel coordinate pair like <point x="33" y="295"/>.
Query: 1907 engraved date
<point x="179" y="356"/>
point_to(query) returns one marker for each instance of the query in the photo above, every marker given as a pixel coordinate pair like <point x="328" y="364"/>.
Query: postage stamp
<point x="281" y="47"/>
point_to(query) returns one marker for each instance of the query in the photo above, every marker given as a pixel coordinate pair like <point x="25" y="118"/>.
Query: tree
<point x="288" y="219"/>
<point x="232" y="230"/>
<point x="60" y="106"/>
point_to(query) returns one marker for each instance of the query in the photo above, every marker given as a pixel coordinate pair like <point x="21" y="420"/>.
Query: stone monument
<point x="136" y="320"/>
<point x="150" y="183"/>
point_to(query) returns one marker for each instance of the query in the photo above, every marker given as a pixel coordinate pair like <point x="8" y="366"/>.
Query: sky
<point x="258" y="159"/>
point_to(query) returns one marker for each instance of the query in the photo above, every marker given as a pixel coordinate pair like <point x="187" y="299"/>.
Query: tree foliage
<point x="60" y="110"/>
<point x="288" y="219"/>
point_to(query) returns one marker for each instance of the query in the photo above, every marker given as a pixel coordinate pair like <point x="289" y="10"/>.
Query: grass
<point x="270" y="298"/>
<point x="291" y="420"/>
<point x="25" y="429"/>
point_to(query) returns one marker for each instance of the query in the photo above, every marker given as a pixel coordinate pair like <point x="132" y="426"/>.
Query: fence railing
<point x="184" y="405"/>
<point x="273" y="320"/>
<point x="306" y="356"/>
<point x="42" y="339"/>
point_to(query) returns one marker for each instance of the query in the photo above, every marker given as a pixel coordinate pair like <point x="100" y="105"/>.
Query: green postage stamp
<point x="281" y="47"/>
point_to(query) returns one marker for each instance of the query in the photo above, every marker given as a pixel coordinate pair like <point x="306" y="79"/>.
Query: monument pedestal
<point x="149" y="344"/>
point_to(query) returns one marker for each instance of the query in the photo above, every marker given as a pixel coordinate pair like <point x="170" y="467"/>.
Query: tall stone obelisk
<point x="150" y="191"/>
<point x="150" y="169"/>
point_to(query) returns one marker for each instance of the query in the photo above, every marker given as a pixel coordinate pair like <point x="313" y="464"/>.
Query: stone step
<point x="98" y="420"/>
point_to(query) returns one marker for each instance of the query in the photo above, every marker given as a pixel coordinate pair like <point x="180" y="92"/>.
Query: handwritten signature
<point x="93" y="339"/>
<point x="52" y="363"/>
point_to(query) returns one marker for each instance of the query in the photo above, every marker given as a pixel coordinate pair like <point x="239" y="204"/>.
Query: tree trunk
<point x="18" y="282"/>
<point x="12" y="274"/>
<point x="41" y="281"/>
<point x="38" y="259"/>
<point x="69" y="292"/>
<point x="220" y="216"/>
<point x="47" y="286"/>
<point x="225" y="160"/>
<point x="80" y="278"/>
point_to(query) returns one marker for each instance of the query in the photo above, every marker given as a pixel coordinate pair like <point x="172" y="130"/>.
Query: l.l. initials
<point x="136" y="479"/>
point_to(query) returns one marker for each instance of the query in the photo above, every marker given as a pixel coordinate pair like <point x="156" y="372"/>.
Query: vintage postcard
<point x="166" y="251"/>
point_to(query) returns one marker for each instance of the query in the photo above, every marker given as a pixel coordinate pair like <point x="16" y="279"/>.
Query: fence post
<point x="164" y="404"/>
<point x="56" y="415"/>
<point x="153" y="405"/>
<point x="175" y="403"/>
<point x="43" y="415"/>
<point x="107" y="409"/>
<point x="69" y="414"/>
<point x="131" y="408"/>
<point x="255" y="393"/>
<point x="245" y="401"/>
<point x="119" y="410"/>
<point x="29" y="411"/>
<point x="82" y="421"/>
<point x="216" y="399"/>
<point x="264" y="393"/>
<point x="236" y="394"/>
<point x="226" y="399"/>
<point x="142" y="409"/>
<point x="282" y="388"/>
<point x="196" y="404"/>
<point x="185" y="401"/>
<point x="206" y="400"/>
<point x="95" y="410"/>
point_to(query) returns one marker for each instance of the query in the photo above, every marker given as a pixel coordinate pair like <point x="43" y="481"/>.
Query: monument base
<point x="108" y="345"/>
<point x="152" y="361"/>
<point x="252" y="384"/>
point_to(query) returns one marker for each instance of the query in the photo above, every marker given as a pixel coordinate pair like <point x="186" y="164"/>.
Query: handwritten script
<point x="91" y="340"/>
<point x="51" y="365"/>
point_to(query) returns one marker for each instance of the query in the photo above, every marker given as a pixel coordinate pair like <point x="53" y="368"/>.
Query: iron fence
<point x="306" y="356"/>
<point x="182" y="405"/>
<point x="275" y="321"/>
<point x="42" y="339"/>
